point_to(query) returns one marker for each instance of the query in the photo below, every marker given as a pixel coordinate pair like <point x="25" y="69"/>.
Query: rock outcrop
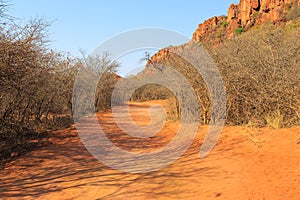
<point x="244" y="15"/>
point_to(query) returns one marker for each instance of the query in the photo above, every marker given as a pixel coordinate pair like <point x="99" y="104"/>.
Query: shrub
<point x="151" y="92"/>
<point x="37" y="84"/>
<point x="239" y="30"/>
<point x="172" y="109"/>
<point x="225" y="24"/>
<point x="274" y="119"/>
<point x="260" y="70"/>
<point x="293" y="12"/>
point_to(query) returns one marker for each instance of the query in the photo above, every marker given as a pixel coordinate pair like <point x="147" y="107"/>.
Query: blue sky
<point x="84" y="25"/>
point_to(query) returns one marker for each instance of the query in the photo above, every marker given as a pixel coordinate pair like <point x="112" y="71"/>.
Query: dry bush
<point x="96" y="77"/>
<point x="36" y="84"/>
<point x="261" y="72"/>
<point x="157" y="92"/>
<point x="151" y="92"/>
<point x="172" y="109"/>
<point x="104" y="91"/>
<point x="192" y="76"/>
<point x="3" y="9"/>
<point x="293" y="12"/>
<point x="274" y="119"/>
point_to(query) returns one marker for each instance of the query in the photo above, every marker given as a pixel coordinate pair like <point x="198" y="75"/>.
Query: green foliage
<point x="239" y="30"/>
<point x="225" y="24"/>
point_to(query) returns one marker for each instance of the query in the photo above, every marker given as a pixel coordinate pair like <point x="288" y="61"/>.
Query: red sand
<point x="246" y="163"/>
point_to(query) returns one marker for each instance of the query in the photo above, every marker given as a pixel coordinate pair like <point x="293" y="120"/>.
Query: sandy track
<point x="245" y="164"/>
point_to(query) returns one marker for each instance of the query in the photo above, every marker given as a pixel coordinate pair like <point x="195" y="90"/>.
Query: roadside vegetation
<point x="261" y="73"/>
<point x="260" y="69"/>
<point x="36" y="84"/>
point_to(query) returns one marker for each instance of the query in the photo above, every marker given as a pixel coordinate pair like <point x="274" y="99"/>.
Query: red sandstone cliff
<point x="244" y="15"/>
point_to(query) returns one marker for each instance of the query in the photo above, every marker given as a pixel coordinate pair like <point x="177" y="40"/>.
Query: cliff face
<point x="244" y="15"/>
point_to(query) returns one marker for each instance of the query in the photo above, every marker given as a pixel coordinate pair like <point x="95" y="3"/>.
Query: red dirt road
<point x="246" y="163"/>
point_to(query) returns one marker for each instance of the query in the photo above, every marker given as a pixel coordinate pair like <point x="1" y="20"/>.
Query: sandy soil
<point x="246" y="163"/>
